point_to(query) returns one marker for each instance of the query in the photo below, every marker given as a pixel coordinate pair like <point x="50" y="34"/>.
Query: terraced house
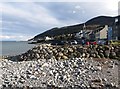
<point x="106" y="33"/>
<point x="102" y="33"/>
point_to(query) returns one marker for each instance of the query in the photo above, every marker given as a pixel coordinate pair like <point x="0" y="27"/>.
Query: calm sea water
<point x="14" y="47"/>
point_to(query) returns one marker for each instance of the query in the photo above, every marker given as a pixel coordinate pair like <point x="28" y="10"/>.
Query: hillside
<point x="101" y="20"/>
<point x="90" y="25"/>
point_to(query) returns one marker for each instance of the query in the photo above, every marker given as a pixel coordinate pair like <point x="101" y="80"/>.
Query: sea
<point x="11" y="48"/>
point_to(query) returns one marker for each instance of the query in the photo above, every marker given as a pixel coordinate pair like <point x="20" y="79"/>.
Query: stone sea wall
<point x="69" y="51"/>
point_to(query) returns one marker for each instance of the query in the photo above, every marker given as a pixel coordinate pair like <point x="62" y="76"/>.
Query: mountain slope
<point x="101" y="20"/>
<point x="90" y="24"/>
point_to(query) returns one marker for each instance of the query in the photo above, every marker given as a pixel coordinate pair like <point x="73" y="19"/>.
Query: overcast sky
<point x="24" y="20"/>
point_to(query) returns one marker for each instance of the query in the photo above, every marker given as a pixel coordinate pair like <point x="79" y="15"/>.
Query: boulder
<point x="64" y="57"/>
<point x="101" y="55"/>
<point x="112" y="55"/>
<point x="60" y="54"/>
<point x="107" y="53"/>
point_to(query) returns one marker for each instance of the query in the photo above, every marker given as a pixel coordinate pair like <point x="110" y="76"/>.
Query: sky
<point x="21" y="21"/>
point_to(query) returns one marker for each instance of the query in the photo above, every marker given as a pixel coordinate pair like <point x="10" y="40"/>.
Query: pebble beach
<point x="70" y="67"/>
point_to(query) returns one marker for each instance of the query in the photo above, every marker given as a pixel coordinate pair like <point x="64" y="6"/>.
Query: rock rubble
<point x="69" y="51"/>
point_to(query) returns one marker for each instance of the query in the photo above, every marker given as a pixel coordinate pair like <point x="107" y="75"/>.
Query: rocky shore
<point x="70" y="51"/>
<point x="69" y="67"/>
<point x="73" y="73"/>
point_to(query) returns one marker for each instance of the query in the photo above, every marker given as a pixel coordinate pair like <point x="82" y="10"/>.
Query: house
<point x="47" y="38"/>
<point x="79" y="34"/>
<point x="116" y="30"/>
<point x="102" y="33"/>
<point x="92" y="36"/>
<point x="110" y="35"/>
<point x="99" y="34"/>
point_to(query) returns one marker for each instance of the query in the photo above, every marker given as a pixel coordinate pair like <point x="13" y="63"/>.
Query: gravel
<point x="85" y="73"/>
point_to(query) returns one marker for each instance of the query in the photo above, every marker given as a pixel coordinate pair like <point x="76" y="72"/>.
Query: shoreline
<point x="46" y="51"/>
<point x="60" y="66"/>
<point x="108" y="48"/>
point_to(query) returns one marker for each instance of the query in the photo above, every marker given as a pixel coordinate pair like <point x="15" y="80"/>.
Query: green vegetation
<point x="114" y="42"/>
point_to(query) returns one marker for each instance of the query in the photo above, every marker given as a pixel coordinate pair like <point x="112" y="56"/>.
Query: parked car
<point x="74" y="42"/>
<point x="55" y="42"/>
<point x="93" y="43"/>
<point x="102" y="42"/>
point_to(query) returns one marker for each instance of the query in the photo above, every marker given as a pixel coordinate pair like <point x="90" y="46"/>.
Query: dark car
<point x="56" y="42"/>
